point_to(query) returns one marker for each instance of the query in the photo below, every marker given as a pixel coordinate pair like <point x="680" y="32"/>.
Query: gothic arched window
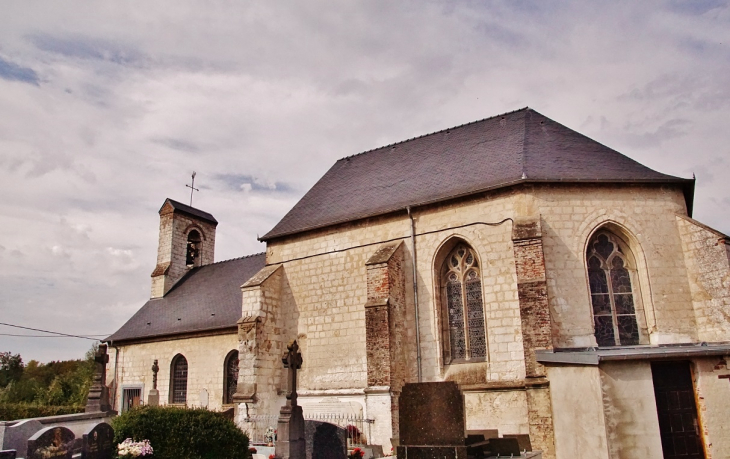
<point x="463" y="309"/>
<point x="192" y="253"/>
<point x="179" y="379"/>
<point x="230" y="381"/>
<point x="612" y="296"/>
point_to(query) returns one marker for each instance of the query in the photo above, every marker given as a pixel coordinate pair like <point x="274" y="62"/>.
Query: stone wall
<point x="707" y="252"/>
<point x="325" y="282"/>
<point x="629" y="408"/>
<point x="712" y="383"/>
<point x="205" y="355"/>
<point x="644" y="215"/>
<point x="580" y="428"/>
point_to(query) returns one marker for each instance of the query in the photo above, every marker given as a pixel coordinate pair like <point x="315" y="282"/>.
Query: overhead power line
<point x="49" y="331"/>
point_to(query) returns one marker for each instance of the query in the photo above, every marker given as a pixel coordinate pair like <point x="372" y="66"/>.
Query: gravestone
<point x="325" y="440"/>
<point x="98" y="399"/>
<point x="16" y="436"/>
<point x="153" y="399"/>
<point x="431" y="422"/>
<point x="7" y="454"/>
<point x="51" y="443"/>
<point x="290" y="441"/>
<point x="98" y="442"/>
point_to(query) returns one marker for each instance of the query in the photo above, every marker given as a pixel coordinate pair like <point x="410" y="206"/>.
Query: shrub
<point x="14" y="411"/>
<point x="177" y="433"/>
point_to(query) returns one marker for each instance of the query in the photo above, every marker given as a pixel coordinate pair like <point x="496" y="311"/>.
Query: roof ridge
<point x="434" y="132"/>
<point x="234" y="259"/>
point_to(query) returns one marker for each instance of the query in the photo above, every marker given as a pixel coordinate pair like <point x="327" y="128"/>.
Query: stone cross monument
<point x="98" y="400"/>
<point x="153" y="399"/>
<point x="290" y="443"/>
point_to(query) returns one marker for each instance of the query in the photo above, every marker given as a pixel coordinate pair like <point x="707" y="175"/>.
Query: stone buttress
<point x="536" y="328"/>
<point x="385" y="330"/>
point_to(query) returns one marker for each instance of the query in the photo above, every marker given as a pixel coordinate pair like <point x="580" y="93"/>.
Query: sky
<point x="106" y="109"/>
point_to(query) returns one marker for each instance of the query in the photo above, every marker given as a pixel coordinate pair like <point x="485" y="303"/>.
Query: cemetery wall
<point x="580" y="428"/>
<point x="205" y="356"/>
<point x="712" y="404"/>
<point x="706" y="252"/>
<point x="630" y="412"/>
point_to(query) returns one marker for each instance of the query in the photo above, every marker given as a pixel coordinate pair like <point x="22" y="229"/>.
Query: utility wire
<point x="52" y="332"/>
<point x="39" y="336"/>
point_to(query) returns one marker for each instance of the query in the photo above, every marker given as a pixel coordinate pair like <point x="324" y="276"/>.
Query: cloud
<point x="249" y="183"/>
<point x="14" y="72"/>
<point x="81" y="47"/>
<point x="108" y="108"/>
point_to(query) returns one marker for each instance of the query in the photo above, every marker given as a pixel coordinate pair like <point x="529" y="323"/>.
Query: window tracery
<point x="612" y="297"/>
<point x="464" y="308"/>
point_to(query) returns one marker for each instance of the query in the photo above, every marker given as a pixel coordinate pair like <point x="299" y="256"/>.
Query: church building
<point x="563" y="286"/>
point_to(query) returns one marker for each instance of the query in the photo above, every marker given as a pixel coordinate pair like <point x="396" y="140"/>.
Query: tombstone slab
<point x="98" y="442"/>
<point x="431" y="422"/>
<point x="433" y="414"/>
<point x="7" y="454"/>
<point x="51" y="443"/>
<point x="16" y="436"/>
<point x="325" y="440"/>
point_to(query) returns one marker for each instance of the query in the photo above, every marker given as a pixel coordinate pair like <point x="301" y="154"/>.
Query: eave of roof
<point x="192" y="211"/>
<point x="502" y="151"/>
<point x="595" y="356"/>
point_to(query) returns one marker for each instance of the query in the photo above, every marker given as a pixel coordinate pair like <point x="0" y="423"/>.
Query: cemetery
<point x="432" y="426"/>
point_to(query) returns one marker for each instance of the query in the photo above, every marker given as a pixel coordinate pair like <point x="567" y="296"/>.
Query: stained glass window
<point x="612" y="298"/>
<point x="462" y="286"/>
<point x="231" y="372"/>
<point x="179" y="389"/>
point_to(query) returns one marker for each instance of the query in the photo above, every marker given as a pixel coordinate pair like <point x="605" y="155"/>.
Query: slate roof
<point x="184" y="208"/>
<point x="207" y="298"/>
<point x="517" y="147"/>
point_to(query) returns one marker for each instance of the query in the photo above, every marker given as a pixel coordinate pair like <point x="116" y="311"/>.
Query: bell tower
<point x="187" y="240"/>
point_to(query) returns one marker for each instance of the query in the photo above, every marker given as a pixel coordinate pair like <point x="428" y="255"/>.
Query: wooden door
<point x="678" y="424"/>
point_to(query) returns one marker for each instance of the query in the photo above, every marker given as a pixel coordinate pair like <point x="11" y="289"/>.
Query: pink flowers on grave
<point x="129" y="448"/>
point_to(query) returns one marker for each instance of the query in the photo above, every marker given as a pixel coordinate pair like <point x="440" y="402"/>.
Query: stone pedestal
<point x="290" y="434"/>
<point x="290" y="440"/>
<point x="153" y="399"/>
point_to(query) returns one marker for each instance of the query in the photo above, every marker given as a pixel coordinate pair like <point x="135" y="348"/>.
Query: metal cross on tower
<point x="192" y="189"/>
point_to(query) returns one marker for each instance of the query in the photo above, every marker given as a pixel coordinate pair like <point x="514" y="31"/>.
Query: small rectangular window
<point x="131" y="397"/>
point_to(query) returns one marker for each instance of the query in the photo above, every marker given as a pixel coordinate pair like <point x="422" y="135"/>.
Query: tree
<point x="11" y="368"/>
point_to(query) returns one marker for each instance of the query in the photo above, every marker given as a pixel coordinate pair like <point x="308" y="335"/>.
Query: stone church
<point x="564" y="286"/>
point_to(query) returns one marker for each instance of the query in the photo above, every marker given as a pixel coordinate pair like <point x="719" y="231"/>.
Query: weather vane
<point x="192" y="189"/>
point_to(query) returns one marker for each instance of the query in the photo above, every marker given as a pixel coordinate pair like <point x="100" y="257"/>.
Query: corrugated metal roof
<point x="518" y="147"/>
<point x="207" y="298"/>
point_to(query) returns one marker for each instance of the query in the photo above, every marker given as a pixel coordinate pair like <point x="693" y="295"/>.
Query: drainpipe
<point x="116" y="382"/>
<point x="415" y="293"/>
